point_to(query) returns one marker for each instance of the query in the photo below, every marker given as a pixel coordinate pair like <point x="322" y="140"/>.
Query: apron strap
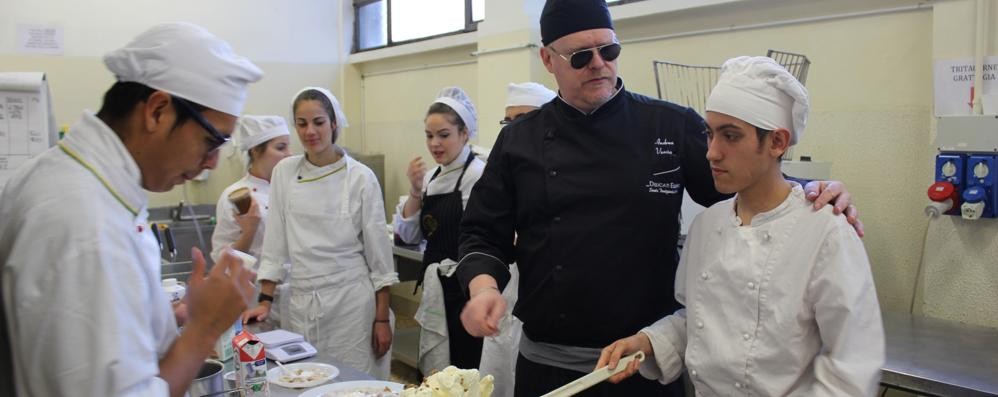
<point x="471" y="156"/>
<point x="314" y="315"/>
<point x="457" y="186"/>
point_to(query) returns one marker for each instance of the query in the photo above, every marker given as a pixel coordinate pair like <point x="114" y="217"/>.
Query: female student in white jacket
<point x="433" y="212"/>
<point x="263" y="142"/>
<point x="327" y="219"/>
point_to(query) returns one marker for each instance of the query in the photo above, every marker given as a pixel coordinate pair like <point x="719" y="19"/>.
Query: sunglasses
<point x="215" y="139"/>
<point x="579" y="59"/>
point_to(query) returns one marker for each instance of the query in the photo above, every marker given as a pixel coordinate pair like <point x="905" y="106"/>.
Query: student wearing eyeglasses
<point x="591" y="185"/>
<point x="84" y="310"/>
<point x="327" y="219"/>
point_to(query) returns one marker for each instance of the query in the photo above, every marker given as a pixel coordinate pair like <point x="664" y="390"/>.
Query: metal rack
<point x="796" y="64"/>
<point x="690" y="85"/>
<point x="687" y="85"/>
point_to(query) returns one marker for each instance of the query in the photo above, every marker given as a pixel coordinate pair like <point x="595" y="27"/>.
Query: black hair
<point x="327" y="105"/>
<point x="452" y="116"/>
<point x="761" y="133"/>
<point x="121" y="98"/>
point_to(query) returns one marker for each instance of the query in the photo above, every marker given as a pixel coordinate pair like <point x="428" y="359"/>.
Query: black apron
<point x="440" y="222"/>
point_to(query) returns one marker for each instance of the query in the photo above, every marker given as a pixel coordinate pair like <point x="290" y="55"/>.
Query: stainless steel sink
<point x="185" y="236"/>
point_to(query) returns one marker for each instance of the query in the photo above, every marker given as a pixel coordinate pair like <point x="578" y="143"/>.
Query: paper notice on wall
<point x="27" y="124"/>
<point x="954" y="86"/>
<point x="37" y="39"/>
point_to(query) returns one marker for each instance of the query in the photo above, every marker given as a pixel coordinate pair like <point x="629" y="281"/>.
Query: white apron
<point x="499" y="352"/>
<point x="332" y="298"/>
<point x="434" y="351"/>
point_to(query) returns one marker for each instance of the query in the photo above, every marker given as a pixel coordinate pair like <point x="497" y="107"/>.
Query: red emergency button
<point x="940" y="191"/>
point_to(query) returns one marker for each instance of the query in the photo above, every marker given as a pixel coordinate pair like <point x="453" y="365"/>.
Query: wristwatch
<point x="265" y="298"/>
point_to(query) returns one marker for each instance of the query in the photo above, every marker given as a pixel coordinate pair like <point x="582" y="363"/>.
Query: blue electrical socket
<point x="981" y="171"/>
<point x="949" y="168"/>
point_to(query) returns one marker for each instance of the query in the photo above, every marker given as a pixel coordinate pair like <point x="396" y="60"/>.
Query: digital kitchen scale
<point x="285" y="346"/>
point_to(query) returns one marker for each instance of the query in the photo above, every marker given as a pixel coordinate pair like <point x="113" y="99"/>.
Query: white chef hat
<point x="254" y="130"/>
<point x="458" y="100"/>
<point x="341" y="118"/>
<point x="186" y="60"/>
<point x="760" y="92"/>
<point x="528" y="94"/>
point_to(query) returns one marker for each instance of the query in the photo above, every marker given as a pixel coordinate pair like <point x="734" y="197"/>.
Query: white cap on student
<point x="458" y="100"/>
<point x="254" y="130"/>
<point x="760" y="92"/>
<point x="341" y="118"/>
<point x="528" y="94"/>
<point x="186" y="60"/>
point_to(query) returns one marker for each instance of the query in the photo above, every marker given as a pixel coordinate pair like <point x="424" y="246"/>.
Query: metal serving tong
<point x="594" y="378"/>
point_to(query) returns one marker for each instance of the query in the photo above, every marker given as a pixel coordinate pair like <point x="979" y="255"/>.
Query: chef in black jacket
<point x="591" y="186"/>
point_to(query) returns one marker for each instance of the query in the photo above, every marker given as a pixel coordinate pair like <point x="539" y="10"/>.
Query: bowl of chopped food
<point x="302" y="375"/>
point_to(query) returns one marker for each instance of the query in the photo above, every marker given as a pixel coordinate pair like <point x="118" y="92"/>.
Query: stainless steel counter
<point x="940" y="357"/>
<point x="408" y="262"/>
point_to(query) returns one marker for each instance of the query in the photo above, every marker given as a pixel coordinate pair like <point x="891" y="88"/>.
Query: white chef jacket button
<point x="693" y="372"/>
<point x="751" y="285"/>
<point x="553" y="173"/>
<point x="558" y="267"/>
<point x="704" y="275"/>
<point x="738" y="385"/>
<point x="557" y="219"/>
<point x="746" y="336"/>
<point x="699" y="324"/>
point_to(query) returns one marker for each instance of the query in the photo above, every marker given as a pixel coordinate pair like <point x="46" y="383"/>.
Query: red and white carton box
<point x="251" y="365"/>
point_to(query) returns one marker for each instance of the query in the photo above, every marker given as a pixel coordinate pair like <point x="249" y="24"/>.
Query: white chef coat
<point x="84" y="305"/>
<point x="227" y="231"/>
<point x="408" y="227"/>
<point x="329" y="223"/>
<point x="785" y="306"/>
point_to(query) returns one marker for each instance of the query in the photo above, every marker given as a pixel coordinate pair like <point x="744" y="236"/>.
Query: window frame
<point x="469" y="26"/>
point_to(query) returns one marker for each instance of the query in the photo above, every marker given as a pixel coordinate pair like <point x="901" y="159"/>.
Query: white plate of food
<point x="357" y="388"/>
<point x="302" y="375"/>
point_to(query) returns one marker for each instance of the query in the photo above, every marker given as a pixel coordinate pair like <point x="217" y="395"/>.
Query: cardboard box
<point x="251" y="364"/>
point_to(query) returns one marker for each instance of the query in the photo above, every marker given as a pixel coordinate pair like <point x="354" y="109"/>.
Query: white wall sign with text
<point x="37" y="39"/>
<point x="954" y="86"/>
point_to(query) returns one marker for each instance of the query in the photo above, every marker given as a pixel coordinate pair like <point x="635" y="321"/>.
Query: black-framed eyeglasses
<point x="506" y="121"/>
<point x="215" y="139"/>
<point x="579" y="59"/>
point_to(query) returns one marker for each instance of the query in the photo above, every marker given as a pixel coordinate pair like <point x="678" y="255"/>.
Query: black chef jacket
<point x="595" y="201"/>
